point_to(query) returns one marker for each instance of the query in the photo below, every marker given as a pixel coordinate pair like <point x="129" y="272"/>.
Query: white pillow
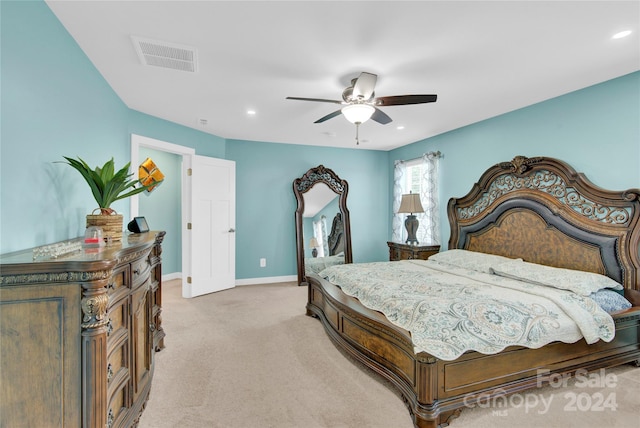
<point x="480" y="262"/>
<point x="583" y="283"/>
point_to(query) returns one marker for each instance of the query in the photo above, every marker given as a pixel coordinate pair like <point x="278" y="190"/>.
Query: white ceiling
<point x="482" y="59"/>
<point x="316" y="198"/>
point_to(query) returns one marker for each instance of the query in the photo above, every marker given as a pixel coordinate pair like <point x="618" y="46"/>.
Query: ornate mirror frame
<point x="302" y="185"/>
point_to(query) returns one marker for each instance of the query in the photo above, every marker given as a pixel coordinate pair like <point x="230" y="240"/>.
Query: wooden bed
<point x="538" y="209"/>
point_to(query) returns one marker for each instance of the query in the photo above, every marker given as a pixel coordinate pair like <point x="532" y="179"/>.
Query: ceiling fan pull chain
<point x="357" y="137"/>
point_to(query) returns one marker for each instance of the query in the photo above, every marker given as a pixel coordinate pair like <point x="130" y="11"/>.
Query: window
<point x="412" y="177"/>
<point x="418" y="176"/>
<point x="320" y="233"/>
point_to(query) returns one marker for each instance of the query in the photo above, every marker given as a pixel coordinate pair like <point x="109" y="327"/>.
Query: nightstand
<point x="399" y="251"/>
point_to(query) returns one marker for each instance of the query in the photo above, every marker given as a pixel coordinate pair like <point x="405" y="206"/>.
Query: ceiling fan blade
<point x="364" y="86"/>
<point x="380" y="117"/>
<point x="316" y="99"/>
<point x="399" y="100"/>
<point x="329" y="116"/>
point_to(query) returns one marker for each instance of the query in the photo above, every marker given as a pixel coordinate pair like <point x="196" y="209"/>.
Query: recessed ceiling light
<point x="251" y="112"/>
<point x="621" y="34"/>
<point x="400" y="128"/>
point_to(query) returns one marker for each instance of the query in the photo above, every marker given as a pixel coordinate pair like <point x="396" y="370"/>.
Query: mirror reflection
<point x="322" y="221"/>
<point x="323" y="233"/>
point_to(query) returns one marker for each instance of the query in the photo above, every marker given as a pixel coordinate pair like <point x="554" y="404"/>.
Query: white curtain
<point x="325" y="236"/>
<point x="397" y="225"/>
<point x="320" y="233"/>
<point x="429" y="228"/>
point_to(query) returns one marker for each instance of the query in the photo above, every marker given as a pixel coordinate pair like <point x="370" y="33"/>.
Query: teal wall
<point x="596" y="130"/>
<point x="265" y="204"/>
<point x="162" y="208"/>
<point x="55" y="103"/>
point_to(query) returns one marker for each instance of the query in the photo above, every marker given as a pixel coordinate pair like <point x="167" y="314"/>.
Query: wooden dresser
<point x="399" y="251"/>
<point x="78" y="334"/>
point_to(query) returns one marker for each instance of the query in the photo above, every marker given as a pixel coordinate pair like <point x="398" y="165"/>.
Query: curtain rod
<point x="437" y="153"/>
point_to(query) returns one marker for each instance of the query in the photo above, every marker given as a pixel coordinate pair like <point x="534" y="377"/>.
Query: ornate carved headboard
<point x="540" y="209"/>
<point x="336" y="238"/>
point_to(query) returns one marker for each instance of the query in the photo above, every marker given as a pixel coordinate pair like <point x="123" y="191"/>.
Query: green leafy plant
<point x="107" y="185"/>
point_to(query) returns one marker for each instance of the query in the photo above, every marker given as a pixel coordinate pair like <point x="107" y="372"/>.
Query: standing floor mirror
<point x="323" y="230"/>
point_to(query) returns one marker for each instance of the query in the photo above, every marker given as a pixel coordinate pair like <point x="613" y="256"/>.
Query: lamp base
<point x="314" y="253"/>
<point x="411" y="224"/>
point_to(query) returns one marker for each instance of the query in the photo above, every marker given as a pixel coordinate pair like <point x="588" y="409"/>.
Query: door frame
<point x="187" y="153"/>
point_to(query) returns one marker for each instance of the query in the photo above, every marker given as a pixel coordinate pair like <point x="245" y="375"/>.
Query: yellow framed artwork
<point x="150" y="175"/>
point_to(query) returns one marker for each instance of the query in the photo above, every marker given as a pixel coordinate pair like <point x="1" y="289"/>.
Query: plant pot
<point x="111" y="225"/>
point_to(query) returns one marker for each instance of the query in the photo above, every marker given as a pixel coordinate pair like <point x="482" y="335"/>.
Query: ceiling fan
<point x="360" y="103"/>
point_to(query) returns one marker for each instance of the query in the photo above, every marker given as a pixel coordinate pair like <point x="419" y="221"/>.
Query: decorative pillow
<point x="610" y="300"/>
<point x="583" y="283"/>
<point x="480" y="262"/>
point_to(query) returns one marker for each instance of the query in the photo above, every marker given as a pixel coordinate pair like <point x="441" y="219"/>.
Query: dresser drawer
<point x="119" y="282"/>
<point x="118" y="373"/>
<point x="140" y="270"/>
<point x="398" y="251"/>
<point x="119" y="362"/>
<point x="118" y="318"/>
<point x="400" y="254"/>
<point x="118" y="406"/>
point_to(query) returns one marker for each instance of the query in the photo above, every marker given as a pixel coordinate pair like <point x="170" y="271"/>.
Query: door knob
<point x="232" y="230"/>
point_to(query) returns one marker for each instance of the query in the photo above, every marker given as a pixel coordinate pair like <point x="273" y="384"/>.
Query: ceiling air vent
<point x="166" y="55"/>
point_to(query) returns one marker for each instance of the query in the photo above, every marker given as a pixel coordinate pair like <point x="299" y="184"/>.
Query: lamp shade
<point x="358" y="113"/>
<point x="314" y="243"/>
<point x="410" y="203"/>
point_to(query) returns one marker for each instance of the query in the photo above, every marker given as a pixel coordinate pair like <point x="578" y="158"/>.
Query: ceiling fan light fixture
<point x="621" y="34"/>
<point x="358" y="113"/>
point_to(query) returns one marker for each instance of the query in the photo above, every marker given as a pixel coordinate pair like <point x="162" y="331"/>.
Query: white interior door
<point x="213" y="213"/>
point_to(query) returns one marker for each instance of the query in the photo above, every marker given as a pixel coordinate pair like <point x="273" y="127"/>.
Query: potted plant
<point x="107" y="186"/>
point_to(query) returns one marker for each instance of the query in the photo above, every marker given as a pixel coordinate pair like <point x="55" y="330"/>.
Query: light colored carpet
<point x="250" y="357"/>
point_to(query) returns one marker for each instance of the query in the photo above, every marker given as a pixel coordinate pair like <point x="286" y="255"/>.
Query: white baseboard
<point x="170" y="276"/>
<point x="267" y="280"/>
<point x="247" y="281"/>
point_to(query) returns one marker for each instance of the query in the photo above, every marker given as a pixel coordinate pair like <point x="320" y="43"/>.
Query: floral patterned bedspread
<point x="317" y="264"/>
<point x="451" y="310"/>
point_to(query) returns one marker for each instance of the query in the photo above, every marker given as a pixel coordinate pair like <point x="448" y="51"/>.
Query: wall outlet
<point x="263" y="262"/>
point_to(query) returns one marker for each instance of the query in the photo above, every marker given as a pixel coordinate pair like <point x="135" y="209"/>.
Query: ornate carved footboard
<point x="539" y="209"/>
<point x="435" y="391"/>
